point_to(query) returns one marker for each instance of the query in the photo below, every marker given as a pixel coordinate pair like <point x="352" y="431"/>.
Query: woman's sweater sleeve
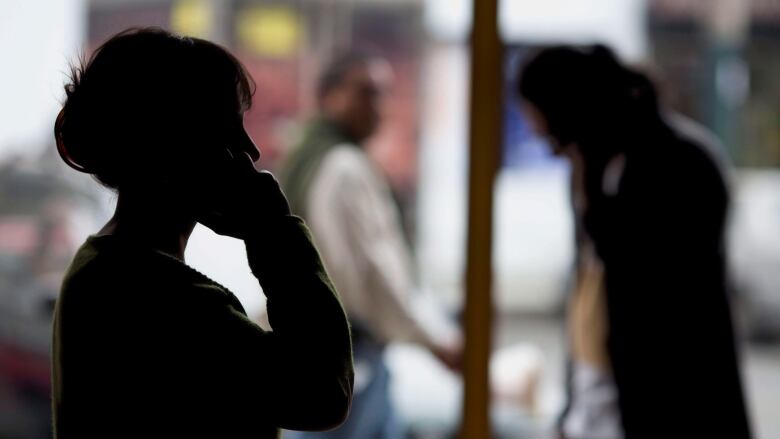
<point x="303" y="367"/>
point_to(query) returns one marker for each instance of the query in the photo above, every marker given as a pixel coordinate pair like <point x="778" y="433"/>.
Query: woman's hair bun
<point x="603" y="54"/>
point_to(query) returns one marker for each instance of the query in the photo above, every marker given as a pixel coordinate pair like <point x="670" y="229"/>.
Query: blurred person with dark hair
<point x="144" y="345"/>
<point x="332" y="182"/>
<point x="655" y="341"/>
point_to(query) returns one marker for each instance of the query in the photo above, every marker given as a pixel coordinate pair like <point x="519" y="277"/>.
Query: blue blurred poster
<point x="521" y="147"/>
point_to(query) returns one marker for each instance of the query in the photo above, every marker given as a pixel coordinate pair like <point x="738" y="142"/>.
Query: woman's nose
<point x="248" y="145"/>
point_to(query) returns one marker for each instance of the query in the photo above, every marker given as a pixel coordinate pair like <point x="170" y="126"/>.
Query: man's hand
<point x="449" y="354"/>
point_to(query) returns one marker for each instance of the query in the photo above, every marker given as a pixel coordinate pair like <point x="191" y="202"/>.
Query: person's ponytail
<point x="631" y="88"/>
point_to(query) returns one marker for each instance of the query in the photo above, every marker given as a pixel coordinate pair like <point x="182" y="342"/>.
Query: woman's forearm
<point x="305" y="314"/>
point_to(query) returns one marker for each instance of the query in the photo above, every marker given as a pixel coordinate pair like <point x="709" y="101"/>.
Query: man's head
<point x="351" y="90"/>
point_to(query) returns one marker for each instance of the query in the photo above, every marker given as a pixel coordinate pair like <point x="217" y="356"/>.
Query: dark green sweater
<point x="145" y="346"/>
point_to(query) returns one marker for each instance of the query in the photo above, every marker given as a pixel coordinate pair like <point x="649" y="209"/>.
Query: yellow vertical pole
<point x="485" y="142"/>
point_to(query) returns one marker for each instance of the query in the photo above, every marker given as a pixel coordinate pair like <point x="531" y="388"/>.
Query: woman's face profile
<point x="539" y="125"/>
<point x="240" y="142"/>
<point x="212" y="151"/>
<point x="214" y="141"/>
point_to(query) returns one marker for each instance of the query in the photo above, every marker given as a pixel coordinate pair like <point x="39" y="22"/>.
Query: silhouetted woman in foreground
<point x="145" y="346"/>
<point x="654" y="204"/>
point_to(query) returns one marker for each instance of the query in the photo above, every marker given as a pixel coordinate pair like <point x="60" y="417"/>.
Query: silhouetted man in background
<point x="332" y="182"/>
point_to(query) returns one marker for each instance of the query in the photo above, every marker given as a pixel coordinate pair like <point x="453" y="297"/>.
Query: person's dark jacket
<point x="145" y="346"/>
<point x="671" y="339"/>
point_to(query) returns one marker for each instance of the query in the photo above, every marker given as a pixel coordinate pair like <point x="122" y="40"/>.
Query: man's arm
<point x="358" y="231"/>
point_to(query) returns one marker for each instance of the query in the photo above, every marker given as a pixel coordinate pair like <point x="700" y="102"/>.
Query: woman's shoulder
<point x="110" y="270"/>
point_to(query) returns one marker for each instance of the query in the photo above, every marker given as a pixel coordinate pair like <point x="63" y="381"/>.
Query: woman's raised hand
<point x="243" y="201"/>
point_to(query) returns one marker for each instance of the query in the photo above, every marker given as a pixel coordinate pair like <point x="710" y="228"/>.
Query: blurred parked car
<point x="755" y="251"/>
<point x="42" y="221"/>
